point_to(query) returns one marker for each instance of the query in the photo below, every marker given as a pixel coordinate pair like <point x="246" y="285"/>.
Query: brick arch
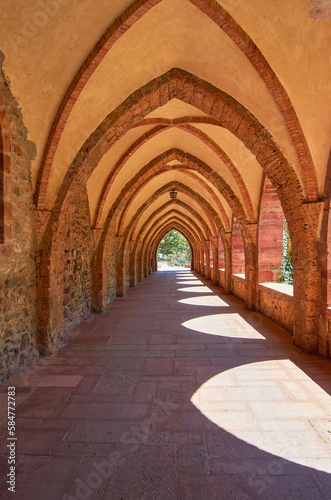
<point x="167" y="228"/>
<point x="176" y="122"/>
<point x="117" y="29"/>
<point x="148" y="247"/>
<point x="325" y="238"/>
<point x="189" y="129"/>
<point x="138" y="242"/>
<point x="175" y="203"/>
<point x="149" y="237"/>
<point x="125" y="196"/>
<point x="190" y="89"/>
<point x="325" y="262"/>
<point x="174" y="215"/>
<point x="148" y="250"/>
<point x="100" y="257"/>
<point x="185" y="124"/>
<point x="244" y="43"/>
<point x="212" y="193"/>
<point x="212" y="216"/>
<point x="172" y="209"/>
<point x="160" y="165"/>
<point x="5" y="181"/>
<point x="161" y="221"/>
<point x="222" y="18"/>
<point x="228" y="163"/>
<point x="120" y="164"/>
<point x="163" y="231"/>
<point x="227" y="250"/>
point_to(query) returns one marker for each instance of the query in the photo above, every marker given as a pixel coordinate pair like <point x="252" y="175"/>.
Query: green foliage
<point x="178" y="259"/>
<point x="286" y="275"/>
<point x="175" y="249"/>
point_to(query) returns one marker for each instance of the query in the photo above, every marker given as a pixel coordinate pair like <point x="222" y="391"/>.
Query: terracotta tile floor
<point x="176" y="392"/>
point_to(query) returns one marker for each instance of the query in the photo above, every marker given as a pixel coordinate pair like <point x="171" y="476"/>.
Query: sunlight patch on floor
<point x="186" y="282"/>
<point x="187" y="277"/>
<point x="223" y="325"/>
<point x="274" y="406"/>
<point x="210" y="300"/>
<point x="195" y="289"/>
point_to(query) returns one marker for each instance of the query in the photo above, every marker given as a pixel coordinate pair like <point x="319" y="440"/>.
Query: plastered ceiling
<point x="67" y="79"/>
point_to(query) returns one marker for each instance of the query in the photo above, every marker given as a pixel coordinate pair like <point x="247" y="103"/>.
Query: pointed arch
<point x="188" y="88"/>
<point x="160" y="165"/>
<point x="192" y="90"/>
<point x="212" y="216"/>
<point x="174" y="203"/>
<point x="165" y="229"/>
<point x="245" y="44"/>
<point x="153" y="133"/>
<point x="170" y="216"/>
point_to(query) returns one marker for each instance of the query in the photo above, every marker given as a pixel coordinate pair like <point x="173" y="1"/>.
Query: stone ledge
<point x="279" y="287"/>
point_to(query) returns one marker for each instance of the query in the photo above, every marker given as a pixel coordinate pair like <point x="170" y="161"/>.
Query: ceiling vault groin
<point x="222" y="18"/>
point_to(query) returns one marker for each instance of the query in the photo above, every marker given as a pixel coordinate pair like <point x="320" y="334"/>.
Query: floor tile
<point x="175" y="392"/>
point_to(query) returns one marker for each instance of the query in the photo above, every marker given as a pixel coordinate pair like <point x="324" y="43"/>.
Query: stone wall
<point x="327" y="346"/>
<point x="238" y="287"/>
<point x="277" y="306"/>
<point x="127" y="269"/>
<point x="221" y="275"/>
<point x="111" y="265"/>
<point x="77" y="272"/>
<point x="17" y="258"/>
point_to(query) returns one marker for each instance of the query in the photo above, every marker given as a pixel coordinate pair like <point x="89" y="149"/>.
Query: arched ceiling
<point x="71" y="64"/>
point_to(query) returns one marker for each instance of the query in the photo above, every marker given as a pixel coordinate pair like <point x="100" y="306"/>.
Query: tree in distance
<point x="175" y="249"/>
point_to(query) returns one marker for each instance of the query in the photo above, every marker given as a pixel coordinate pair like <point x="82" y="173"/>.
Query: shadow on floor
<point x="176" y="392"/>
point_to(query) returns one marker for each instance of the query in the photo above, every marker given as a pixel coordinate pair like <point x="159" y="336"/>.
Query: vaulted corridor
<point x="175" y="392"/>
<point x="122" y="122"/>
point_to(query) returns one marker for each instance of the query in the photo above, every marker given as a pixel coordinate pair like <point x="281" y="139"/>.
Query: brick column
<point x="155" y="260"/>
<point x="120" y="267"/>
<point x="307" y="278"/>
<point x="49" y="306"/>
<point x="228" y="262"/>
<point x="133" y="265"/>
<point x="251" y="267"/>
<point x="99" y="285"/>
<point x="207" y="266"/>
<point x="145" y="260"/>
<point x="202" y="259"/>
<point x="216" y="278"/>
<point x="148" y="261"/>
<point x="197" y="259"/>
<point x="140" y="262"/>
<point x="324" y="343"/>
<point x="192" y="260"/>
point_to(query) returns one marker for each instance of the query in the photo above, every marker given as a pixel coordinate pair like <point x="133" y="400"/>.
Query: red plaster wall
<point x="270" y="234"/>
<point x="238" y="251"/>
<point x="221" y="257"/>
